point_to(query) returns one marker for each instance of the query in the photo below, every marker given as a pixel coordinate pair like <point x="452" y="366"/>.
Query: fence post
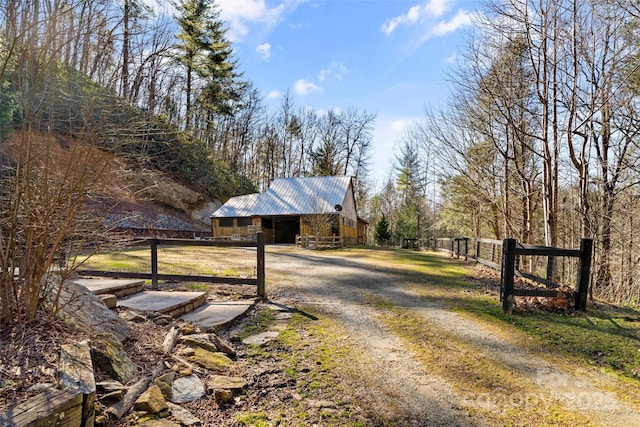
<point x="477" y="248"/>
<point x="493" y="251"/>
<point x="508" y="271"/>
<point x="452" y="251"/>
<point x="466" y="248"/>
<point x="154" y="263"/>
<point x="551" y="266"/>
<point x="260" y="265"/>
<point x="586" y="249"/>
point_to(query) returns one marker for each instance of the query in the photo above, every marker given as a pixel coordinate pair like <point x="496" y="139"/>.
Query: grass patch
<point x="197" y="287"/>
<point x="606" y="336"/>
<point x="195" y="260"/>
<point x="595" y="337"/>
<point x="252" y="420"/>
<point x="260" y="322"/>
<point x="315" y="357"/>
<point x="415" y="266"/>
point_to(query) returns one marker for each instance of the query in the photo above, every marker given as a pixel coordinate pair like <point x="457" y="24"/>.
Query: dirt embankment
<point x="123" y="192"/>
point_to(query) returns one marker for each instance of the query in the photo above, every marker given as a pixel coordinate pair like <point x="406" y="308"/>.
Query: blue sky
<point x="387" y="57"/>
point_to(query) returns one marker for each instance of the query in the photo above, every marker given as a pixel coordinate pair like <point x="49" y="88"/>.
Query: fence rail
<point x="508" y="256"/>
<point x="250" y="264"/>
<point x="319" y="242"/>
<point x="484" y="251"/>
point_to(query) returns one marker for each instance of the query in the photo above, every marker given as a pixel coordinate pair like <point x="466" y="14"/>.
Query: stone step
<point x="118" y="287"/>
<point x="192" y="306"/>
<point x="215" y="315"/>
<point x="171" y="303"/>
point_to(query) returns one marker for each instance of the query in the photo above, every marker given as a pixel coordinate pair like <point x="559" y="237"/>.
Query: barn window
<point x="243" y="222"/>
<point x="225" y="222"/>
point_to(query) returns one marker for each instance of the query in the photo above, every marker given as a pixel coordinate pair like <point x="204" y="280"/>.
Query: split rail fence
<point x="319" y="242"/>
<point x="233" y="262"/>
<point x="513" y="259"/>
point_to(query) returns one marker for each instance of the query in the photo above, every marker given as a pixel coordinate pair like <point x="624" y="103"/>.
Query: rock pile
<point x="193" y="364"/>
<point x="155" y="390"/>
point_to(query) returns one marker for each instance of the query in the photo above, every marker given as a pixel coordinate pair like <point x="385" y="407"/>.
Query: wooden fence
<point x="155" y="275"/>
<point x="319" y="242"/>
<point x="506" y="255"/>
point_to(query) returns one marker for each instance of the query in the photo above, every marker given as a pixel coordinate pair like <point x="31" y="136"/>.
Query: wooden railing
<point x="319" y="242"/>
<point x="511" y="250"/>
<point x="258" y="264"/>
<point x="508" y="255"/>
<point x="484" y="251"/>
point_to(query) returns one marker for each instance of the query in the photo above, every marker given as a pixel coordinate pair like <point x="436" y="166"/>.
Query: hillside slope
<point x="130" y="195"/>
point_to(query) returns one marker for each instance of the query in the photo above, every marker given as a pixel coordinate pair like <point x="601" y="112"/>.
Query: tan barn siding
<point x="240" y="226"/>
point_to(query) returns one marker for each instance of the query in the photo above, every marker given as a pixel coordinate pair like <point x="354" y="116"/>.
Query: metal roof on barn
<point x="239" y="206"/>
<point x="290" y="196"/>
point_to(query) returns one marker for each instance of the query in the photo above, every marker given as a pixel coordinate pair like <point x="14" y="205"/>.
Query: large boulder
<point x="83" y="311"/>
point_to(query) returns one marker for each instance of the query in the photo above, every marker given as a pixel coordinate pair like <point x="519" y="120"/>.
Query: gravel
<point x="404" y="391"/>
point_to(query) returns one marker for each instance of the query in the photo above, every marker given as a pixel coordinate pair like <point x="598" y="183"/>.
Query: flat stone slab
<point x="223" y="382"/>
<point x="117" y="287"/>
<point x="261" y="339"/>
<point x="169" y="303"/>
<point x="218" y="314"/>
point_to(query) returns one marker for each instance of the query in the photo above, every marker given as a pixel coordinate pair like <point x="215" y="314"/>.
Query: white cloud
<point x="452" y="58"/>
<point x="303" y="88"/>
<point x="398" y="126"/>
<point x="264" y="50"/>
<point x="336" y="69"/>
<point x="239" y="14"/>
<point x="462" y="19"/>
<point x="417" y="14"/>
<point x="274" y="94"/>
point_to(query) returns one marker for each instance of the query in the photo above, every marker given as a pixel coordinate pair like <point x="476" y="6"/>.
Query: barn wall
<point x="227" y="227"/>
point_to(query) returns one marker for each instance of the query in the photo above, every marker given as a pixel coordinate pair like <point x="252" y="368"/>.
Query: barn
<point x="303" y="206"/>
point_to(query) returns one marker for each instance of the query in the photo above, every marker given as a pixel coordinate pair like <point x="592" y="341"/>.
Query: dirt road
<point x="394" y="377"/>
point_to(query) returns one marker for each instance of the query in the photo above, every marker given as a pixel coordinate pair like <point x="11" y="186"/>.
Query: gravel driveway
<point x="399" y="386"/>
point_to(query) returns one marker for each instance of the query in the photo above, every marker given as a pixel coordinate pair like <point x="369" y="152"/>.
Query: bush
<point x="382" y="233"/>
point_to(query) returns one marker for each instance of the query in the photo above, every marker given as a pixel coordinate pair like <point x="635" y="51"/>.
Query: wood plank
<point x="218" y="243"/>
<point x="177" y="277"/>
<point x="547" y="251"/>
<point x="487" y="241"/>
<point x="60" y="408"/>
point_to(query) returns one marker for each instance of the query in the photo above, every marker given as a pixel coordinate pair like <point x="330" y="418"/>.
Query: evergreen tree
<point x="410" y="186"/>
<point x="382" y="233"/>
<point x="205" y="53"/>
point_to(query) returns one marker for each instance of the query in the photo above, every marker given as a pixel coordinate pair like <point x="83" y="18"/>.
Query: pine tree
<point x="206" y="54"/>
<point x="382" y="233"/>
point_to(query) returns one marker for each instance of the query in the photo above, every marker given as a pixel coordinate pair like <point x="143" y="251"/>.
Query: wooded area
<point x="163" y="91"/>
<point x="539" y="141"/>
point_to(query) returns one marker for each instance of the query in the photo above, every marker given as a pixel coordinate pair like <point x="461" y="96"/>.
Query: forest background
<point x="539" y="140"/>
